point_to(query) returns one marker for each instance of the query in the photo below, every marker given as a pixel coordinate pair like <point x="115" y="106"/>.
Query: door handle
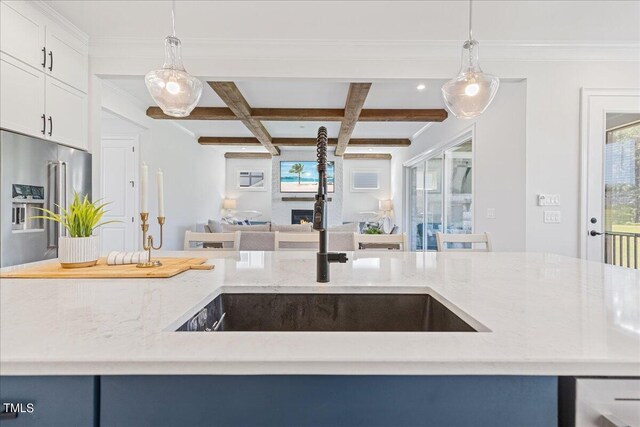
<point x="594" y="233"/>
<point x="51" y="60"/>
<point x="50" y="126"/>
<point x="44" y="124"/>
<point x="44" y="57"/>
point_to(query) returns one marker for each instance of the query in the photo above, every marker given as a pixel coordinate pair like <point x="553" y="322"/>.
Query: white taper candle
<point x="160" y="177"/>
<point x="144" y="185"/>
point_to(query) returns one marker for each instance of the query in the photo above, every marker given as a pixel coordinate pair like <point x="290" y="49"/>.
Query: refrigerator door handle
<point x="62" y="193"/>
<point x="50" y="226"/>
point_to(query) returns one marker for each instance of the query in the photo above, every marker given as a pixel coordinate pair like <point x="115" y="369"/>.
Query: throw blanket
<point x="118" y="258"/>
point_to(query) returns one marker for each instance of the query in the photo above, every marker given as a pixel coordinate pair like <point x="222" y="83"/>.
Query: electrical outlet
<point x="491" y="213"/>
<point x="552" y="217"/>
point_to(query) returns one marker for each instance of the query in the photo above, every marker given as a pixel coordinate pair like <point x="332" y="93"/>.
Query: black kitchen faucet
<point x="324" y="257"/>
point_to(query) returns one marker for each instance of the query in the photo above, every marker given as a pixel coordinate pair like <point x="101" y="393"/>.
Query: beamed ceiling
<point x="270" y="115"/>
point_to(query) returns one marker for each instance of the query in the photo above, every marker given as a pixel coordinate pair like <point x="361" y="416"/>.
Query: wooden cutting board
<point x="170" y="267"/>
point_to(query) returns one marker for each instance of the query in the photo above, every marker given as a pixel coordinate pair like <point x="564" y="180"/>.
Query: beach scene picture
<point x="302" y="177"/>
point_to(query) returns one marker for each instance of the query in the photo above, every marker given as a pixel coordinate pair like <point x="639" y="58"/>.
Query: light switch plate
<point x="548" y="200"/>
<point x="491" y="213"/>
<point x="552" y="217"/>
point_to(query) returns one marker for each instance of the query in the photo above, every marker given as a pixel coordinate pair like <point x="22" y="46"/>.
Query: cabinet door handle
<point x="44" y="124"/>
<point x="50" y="126"/>
<point x="44" y="57"/>
<point x="51" y="60"/>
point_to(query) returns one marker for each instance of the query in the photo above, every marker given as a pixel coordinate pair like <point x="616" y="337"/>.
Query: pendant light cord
<point x="173" y="17"/>
<point x="470" y="20"/>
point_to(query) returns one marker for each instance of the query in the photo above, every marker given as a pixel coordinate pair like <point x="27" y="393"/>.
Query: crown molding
<point x="46" y="8"/>
<point x="358" y="50"/>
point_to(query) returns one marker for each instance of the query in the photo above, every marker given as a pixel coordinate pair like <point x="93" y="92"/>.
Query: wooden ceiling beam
<point x="298" y="114"/>
<point x="355" y="101"/>
<point x="198" y="113"/>
<point x="403" y="115"/>
<point x="231" y="95"/>
<point x="304" y="142"/>
<point x="366" y="156"/>
<point x="230" y="155"/>
<point x="308" y="114"/>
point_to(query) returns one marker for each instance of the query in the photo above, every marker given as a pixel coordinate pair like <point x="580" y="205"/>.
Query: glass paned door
<point x="440" y="196"/>
<point x="622" y="194"/>
<point x="433" y="186"/>
<point x="416" y="207"/>
<point x="458" y="195"/>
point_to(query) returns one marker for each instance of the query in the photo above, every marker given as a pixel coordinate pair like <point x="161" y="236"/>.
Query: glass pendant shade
<point x="174" y="90"/>
<point x="471" y="91"/>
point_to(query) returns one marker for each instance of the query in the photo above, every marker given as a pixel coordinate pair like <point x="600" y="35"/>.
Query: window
<point x="365" y="180"/>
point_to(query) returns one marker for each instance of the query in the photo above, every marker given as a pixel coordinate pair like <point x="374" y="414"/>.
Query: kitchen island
<point x="537" y="316"/>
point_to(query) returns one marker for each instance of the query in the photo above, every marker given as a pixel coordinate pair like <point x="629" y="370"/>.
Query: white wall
<point x="192" y="181"/>
<point x="355" y="202"/>
<point x="249" y="200"/>
<point x="499" y="149"/>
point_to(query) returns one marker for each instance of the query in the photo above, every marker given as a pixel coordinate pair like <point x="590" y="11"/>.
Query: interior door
<point x="596" y="104"/>
<point x="118" y="184"/>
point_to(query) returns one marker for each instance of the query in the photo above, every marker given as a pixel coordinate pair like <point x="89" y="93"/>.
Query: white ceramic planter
<point x="77" y="252"/>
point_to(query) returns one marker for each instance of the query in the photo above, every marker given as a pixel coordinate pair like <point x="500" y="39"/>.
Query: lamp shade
<point x="385" y="205"/>
<point x="229" y="204"/>
<point x="469" y="94"/>
<point x="174" y="90"/>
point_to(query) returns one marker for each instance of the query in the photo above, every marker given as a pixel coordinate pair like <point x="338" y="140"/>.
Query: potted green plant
<point x="373" y="229"/>
<point x="80" y="248"/>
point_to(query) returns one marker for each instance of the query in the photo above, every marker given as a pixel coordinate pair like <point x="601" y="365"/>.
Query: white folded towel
<point x="119" y="258"/>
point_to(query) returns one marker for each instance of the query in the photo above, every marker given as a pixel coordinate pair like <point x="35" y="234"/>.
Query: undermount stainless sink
<point x="337" y="312"/>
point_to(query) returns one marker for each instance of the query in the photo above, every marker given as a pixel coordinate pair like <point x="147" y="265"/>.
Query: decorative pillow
<point x="292" y="228"/>
<point x="351" y="227"/>
<point x="230" y="228"/>
<point x="215" y="226"/>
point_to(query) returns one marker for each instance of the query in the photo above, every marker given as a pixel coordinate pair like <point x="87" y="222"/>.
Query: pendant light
<point x="471" y="91"/>
<point x="174" y="90"/>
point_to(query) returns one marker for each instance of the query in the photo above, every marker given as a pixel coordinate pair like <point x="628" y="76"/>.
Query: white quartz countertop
<point x="541" y="314"/>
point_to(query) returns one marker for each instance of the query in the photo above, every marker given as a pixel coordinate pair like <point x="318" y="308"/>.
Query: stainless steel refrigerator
<point x="36" y="174"/>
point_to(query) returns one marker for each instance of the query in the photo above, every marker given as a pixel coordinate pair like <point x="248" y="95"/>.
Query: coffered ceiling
<point x="299" y="94"/>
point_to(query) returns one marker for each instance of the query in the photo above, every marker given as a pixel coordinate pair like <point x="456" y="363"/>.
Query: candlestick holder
<point x="147" y="240"/>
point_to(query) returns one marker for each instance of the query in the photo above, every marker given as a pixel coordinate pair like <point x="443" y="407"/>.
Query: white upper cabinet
<point x="22" y="33"/>
<point x="66" y="111"/>
<point x="22" y="97"/>
<point x="44" y="76"/>
<point x="66" y="57"/>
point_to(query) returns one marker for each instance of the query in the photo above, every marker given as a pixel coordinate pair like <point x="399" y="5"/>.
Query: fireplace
<point x="301" y="216"/>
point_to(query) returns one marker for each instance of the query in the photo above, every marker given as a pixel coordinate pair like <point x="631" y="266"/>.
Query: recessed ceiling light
<point x="421" y="87"/>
